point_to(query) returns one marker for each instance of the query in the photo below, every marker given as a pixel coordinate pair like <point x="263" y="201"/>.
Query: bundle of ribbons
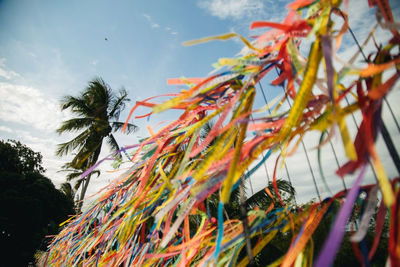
<point x="157" y="212"/>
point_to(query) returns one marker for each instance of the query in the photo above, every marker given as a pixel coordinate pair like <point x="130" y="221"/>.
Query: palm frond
<point x="76" y="143"/>
<point x="72" y="171"/>
<point x="96" y="172"/>
<point x="283" y="186"/>
<point x="206" y="129"/>
<point x="74" y="174"/>
<point x="98" y="94"/>
<point x="80" y="180"/>
<point x="113" y="145"/>
<point x="88" y="156"/>
<point x="75" y="124"/>
<point x="77" y="105"/>
<point x="260" y="199"/>
<point x="66" y="187"/>
<point x="112" y="142"/>
<point x="78" y="174"/>
<point x="118" y="104"/>
<point x="78" y="183"/>
<point x="67" y="167"/>
<point x="117" y="126"/>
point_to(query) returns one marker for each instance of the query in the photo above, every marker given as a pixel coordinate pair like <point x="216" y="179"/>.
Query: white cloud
<point x="5" y="129"/>
<point x="28" y="106"/>
<point x="235" y="9"/>
<point x="151" y="22"/>
<point x="6" y="73"/>
<point x="155" y="25"/>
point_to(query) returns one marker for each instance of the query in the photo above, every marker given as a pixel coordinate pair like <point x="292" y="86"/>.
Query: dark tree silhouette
<point x="31" y="207"/>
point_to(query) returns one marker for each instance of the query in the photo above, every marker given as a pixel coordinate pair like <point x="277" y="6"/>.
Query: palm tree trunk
<point x="83" y="192"/>
<point x="91" y="161"/>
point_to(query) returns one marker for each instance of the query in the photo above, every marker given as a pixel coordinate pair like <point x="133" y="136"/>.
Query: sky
<point x="49" y="49"/>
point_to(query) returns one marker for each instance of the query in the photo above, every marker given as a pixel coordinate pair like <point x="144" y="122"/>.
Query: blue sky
<point x="52" y="48"/>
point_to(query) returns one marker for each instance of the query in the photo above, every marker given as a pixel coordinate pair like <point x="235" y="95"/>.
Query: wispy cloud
<point x="151" y="22"/>
<point x="171" y="31"/>
<point x="6" y="73"/>
<point x="5" y="129"/>
<point x="236" y="9"/>
<point x="155" y="25"/>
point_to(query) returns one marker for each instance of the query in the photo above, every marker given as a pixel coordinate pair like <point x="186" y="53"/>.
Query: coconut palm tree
<point x="96" y="110"/>
<point x="260" y="199"/>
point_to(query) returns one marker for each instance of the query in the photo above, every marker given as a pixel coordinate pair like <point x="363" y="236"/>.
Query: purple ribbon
<point x="327" y="50"/>
<point x="109" y="157"/>
<point x="331" y="245"/>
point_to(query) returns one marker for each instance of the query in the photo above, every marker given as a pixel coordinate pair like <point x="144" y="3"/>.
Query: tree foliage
<point x="18" y="158"/>
<point x="31" y="207"/>
<point x="346" y="255"/>
<point x="260" y="199"/>
<point x="68" y="191"/>
<point x="96" y="110"/>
